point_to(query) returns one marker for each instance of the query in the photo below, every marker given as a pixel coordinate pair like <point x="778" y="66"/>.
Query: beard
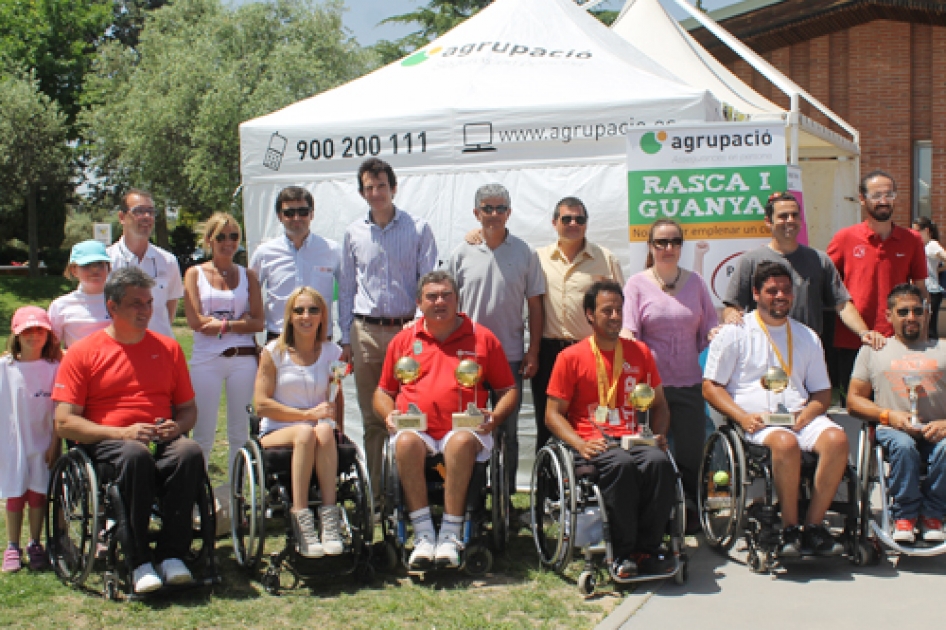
<point x="880" y="212"/>
<point x="911" y="335"/>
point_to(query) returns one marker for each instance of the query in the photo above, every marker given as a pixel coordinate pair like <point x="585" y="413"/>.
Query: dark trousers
<point x="844" y="358"/>
<point x="688" y="428"/>
<point x="936" y="300"/>
<point x="173" y="476"/>
<point x="548" y="352"/>
<point x="637" y="487"/>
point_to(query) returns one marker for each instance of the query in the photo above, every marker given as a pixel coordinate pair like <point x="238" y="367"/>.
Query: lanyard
<point x="778" y="354"/>
<point x="607" y="395"/>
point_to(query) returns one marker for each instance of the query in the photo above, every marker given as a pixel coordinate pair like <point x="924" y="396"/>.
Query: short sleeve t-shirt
<point x="436" y="392"/>
<point x="884" y="369"/>
<point x="119" y="384"/>
<point x="933" y="250"/>
<point x="575" y="380"/>
<point x="739" y="357"/>
<point x="815" y="280"/>
<point x="77" y="315"/>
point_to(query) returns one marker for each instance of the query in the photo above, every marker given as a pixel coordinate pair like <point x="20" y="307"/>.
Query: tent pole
<point x="794" y="121"/>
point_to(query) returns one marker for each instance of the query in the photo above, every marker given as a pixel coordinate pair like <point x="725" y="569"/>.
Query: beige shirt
<point x="566" y="285"/>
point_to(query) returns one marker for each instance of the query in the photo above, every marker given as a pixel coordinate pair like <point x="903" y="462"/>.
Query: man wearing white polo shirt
<point x="134" y="249"/>
<point x="298" y="258"/>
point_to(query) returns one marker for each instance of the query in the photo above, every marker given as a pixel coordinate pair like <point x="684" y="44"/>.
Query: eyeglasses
<point x="889" y="196"/>
<point x="290" y="213"/>
<point x="433" y="297"/>
<point x="664" y="243"/>
<point x="916" y="310"/>
<point x="568" y="218"/>
<point x="233" y="236"/>
<point x="143" y="211"/>
<point x="492" y="209"/>
<point x="301" y="310"/>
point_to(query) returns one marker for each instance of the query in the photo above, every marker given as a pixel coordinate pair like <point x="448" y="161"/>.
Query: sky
<point x="363" y="16"/>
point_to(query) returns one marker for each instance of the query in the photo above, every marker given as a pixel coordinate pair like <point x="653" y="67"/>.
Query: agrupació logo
<point x="421" y="56"/>
<point x="652" y="142"/>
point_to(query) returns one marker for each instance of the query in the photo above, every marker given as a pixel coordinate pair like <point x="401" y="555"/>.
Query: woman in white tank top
<point x="224" y="308"/>
<point x="292" y="397"/>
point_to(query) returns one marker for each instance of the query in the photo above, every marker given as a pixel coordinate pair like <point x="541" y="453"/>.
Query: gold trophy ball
<point x="642" y="397"/>
<point x="468" y="373"/>
<point x="407" y="370"/>
<point x="775" y="380"/>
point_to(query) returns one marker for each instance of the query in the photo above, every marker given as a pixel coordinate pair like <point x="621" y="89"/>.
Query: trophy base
<point x="467" y="422"/>
<point x="779" y="419"/>
<point x="628" y="441"/>
<point x="410" y="422"/>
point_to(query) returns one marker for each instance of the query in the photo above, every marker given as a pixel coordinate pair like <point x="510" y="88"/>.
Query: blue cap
<point x="88" y="252"/>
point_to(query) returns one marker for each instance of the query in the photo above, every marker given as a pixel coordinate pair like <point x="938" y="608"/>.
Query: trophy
<point x="912" y="382"/>
<point x="641" y="398"/>
<point x="337" y="370"/>
<point x="407" y="371"/>
<point x="468" y="374"/>
<point x="775" y="381"/>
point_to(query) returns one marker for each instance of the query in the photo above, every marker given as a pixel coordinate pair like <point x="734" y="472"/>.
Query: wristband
<point x="328" y="421"/>
<point x="884" y="417"/>
<point x="223" y="328"/>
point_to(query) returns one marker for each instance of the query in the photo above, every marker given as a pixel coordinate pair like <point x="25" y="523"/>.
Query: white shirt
<point x="933" y="249"/>
<point x="218" y="303"/>
<point x="77" y="315"/>
<point x="299" y="386"/>
<point x="281" y="269"/>
<point x="740" y="355"/>
<point x="160" y="265"/>
<point x="26" y="420"/>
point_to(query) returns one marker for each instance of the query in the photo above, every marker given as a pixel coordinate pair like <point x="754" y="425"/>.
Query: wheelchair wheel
<point x="499" y="496"/>
<point x="390" y="493"/>
<point x="721" y="490"/>
<point x="205" y="527"/>
<point x="363" y="517"/>
<point x="587" y="583"/>
<point x="247" y="505"/>
<point x="552" y="506"/>
<point x="73" y="520"/>
<point x="477" y="560"/>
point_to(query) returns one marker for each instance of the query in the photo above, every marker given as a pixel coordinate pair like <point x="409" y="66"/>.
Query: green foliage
<point x="434" y="19"/>
<point x="607" y="17"/>
<point x="166" y="116"/>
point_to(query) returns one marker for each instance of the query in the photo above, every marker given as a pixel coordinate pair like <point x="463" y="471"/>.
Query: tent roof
<point x="529" y="55"/>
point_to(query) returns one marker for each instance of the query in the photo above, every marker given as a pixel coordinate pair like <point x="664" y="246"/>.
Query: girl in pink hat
<point x="28" y="445"/>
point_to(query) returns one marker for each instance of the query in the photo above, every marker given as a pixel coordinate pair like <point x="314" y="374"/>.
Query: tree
<point x="434" y="19"/>
<point x="166" y="115"/>
<point x="35" y="159"/>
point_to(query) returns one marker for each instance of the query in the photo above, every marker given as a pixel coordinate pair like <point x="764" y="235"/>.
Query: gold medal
<point x="607" y="391"/>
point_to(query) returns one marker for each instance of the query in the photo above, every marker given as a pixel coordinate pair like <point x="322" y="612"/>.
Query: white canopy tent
<point x="829" y="161"/>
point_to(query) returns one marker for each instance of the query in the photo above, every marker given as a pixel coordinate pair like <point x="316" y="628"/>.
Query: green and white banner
<point x="714" y="180"/>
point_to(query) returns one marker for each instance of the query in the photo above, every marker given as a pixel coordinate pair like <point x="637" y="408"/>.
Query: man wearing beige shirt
<point x="571" y="265"/>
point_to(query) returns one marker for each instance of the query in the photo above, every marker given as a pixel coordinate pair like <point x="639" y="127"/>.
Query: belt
<point x="384" y="321"/>
<point x="559" y="344"/>
<point x="243" y="351"/>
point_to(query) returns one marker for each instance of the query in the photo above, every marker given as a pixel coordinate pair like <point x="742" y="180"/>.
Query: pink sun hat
<point x="29" y="317"/>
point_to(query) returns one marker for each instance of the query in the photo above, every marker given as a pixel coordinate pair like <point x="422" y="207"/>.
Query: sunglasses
<point x="301" y="310"/>
<point x="664" y="243"/>
<point x="290" y="213"/>
<point x="143" y="211"/>
<point x="916" y="310"/>
<point x="492" y="209"/>
<point x="568" y="219"/>
<point x="233" y="236"/>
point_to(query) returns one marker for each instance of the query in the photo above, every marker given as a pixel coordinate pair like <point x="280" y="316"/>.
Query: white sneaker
<point x="330" y="518"/>
<point x="422" y="558"/>
<point x="145" y="579"/>
<point x="174" y="572"/>
<point x="932" y="529"/>
<point x="307" y="540"/>
<point x="448" y="551"/>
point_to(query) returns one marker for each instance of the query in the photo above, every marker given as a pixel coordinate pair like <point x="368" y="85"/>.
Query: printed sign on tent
<point x="714" y="180"/>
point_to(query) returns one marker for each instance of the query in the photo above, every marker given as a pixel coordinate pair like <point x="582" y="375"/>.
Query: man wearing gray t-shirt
<point x="879" y="393"/>
<point x="815" y="279"/>
<point x="496" y="278"/>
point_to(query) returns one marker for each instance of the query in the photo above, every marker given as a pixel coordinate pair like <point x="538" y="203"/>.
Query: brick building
<point x="879" y="64"/>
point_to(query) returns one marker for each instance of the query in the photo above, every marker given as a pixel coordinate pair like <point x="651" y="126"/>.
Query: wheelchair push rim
<point x="247" y="505"/>
<point x="552" y="508"/>
<point x="721" y="506"/>
<point x="73" y="519"/>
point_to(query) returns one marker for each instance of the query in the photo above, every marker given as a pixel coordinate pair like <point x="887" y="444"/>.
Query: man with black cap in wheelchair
<point x="125" y="394"/>
<point x="590" y="410"/>
<point x="886" y="374"/>
<point x="740" y="359"/>
<point x="439" y="344"/>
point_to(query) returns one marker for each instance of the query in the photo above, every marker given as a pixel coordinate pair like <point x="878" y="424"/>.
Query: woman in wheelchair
<point x="293" y="402"/>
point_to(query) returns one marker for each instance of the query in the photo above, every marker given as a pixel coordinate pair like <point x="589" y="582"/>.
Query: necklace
<point x="223" y="274"/>
<point x="666" y="286"/>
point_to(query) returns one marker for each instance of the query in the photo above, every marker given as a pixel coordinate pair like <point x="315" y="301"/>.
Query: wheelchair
<point x="486" y="518"/>
<point x="261" y="484"/>
<point x="873" y="468"/>
<point x="86" y="519"/>
<point x="730" y="467"/>
<point x="566" y="503"/>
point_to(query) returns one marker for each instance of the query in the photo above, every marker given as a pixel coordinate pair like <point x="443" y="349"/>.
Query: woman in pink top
<point x="669" y="308"/>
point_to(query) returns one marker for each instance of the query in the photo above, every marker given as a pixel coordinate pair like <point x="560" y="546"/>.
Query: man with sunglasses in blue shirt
<point x="295" y="259"/>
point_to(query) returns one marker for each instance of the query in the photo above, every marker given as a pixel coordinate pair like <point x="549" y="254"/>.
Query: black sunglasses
<point x="221" y="237"/>
<point x="491" y="209"/>
<point x="300" y="310"/>
<point x="664" y="243"/>
<point x="289" y="213"/>
<point x="917" y="311"/>
<point x="568" y="218"/>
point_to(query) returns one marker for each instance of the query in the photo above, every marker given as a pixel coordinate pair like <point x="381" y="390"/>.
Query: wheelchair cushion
<point x="586" y="471"/>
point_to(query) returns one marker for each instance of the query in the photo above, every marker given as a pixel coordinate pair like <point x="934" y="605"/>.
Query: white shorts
<point x="436" y="447"/>
<point x="807" y="437"/>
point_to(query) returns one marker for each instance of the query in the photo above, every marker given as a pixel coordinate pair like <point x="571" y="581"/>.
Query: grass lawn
<point x="516" y="594"/>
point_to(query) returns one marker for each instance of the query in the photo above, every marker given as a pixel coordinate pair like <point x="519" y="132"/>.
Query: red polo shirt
<point x="436" y="391"/>
<point x="575" y="380"/>
<point x="870" y="268"/>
